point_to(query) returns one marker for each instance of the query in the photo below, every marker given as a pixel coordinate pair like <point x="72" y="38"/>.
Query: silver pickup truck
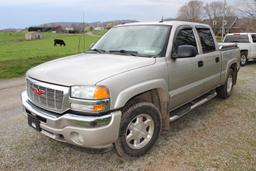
<point x="128" y="88"/>
<point x="246" y="43"/>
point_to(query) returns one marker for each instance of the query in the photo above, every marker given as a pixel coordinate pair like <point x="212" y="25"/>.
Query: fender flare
<point x="125" y="95"/>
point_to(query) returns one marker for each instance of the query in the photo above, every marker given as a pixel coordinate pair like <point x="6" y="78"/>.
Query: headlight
<point x="91" y="99"/>
<point x="89" y="92"/>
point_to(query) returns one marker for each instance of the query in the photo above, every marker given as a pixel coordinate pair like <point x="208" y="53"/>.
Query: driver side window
<point x="184" y="36"/>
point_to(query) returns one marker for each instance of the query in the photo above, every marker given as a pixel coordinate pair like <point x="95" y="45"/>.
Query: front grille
<point x="48" y="98"/>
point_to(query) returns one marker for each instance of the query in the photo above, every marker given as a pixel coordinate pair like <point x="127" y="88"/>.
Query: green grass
<point x="219" y="39"/>
<point x="18" y="55"/>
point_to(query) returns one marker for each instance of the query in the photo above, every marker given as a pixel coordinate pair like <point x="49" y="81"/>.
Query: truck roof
<point x="168" y="23"/>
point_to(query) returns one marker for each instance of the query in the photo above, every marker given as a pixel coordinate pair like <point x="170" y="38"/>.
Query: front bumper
<point x="85" y="131"/>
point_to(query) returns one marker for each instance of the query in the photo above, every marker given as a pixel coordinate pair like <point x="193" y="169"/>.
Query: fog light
<point x="80" y="107"/>
<point x="93" y="107"/>
<point x="76" y="138"/>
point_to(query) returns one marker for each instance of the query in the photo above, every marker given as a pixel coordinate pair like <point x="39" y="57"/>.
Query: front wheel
<point x="226" y="90"/>
<point x="140" y="128"/>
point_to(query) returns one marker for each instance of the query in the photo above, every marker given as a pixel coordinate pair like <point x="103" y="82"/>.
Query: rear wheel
<point x="243" y="59"/>
<point x="140" y="128"/>
<point x="226" y="90"/>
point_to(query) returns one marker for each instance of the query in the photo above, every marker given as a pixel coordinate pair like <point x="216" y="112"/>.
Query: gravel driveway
<point x="220" y="135"/>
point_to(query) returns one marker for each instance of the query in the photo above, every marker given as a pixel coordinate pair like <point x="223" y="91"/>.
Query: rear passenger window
<point x="254" y="38"/>
<point x="237" y="38"/>
<point x="183" y="37"/>
<point x="206" y="39"/>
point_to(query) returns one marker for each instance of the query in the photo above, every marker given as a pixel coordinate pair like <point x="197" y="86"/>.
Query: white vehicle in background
<point x="246" y="43"/>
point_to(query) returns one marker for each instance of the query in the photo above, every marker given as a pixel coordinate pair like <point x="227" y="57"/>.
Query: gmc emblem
<point x="38" y="91"/>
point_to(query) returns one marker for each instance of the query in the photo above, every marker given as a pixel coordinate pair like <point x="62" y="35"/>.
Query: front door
<point x="183" y="72"/>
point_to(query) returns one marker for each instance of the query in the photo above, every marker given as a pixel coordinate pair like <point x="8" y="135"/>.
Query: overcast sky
<point x="24" y="13"/>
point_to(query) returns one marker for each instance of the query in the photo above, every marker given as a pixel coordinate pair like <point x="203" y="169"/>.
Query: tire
<point x="226" y="90"/>
<point x="139" y="130"/>
<point x="243" y="60"/>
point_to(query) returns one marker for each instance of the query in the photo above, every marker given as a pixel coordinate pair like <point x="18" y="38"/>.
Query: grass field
<point x="219" y="39"/>
<point x="18" y="55"/>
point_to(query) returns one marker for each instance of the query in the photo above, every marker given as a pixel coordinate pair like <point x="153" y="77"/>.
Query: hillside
<point x="94" y="24"/>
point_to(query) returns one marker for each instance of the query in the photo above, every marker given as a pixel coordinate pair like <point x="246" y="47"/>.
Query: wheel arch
<point x="154" y="91"/>
<point x="244" y="51"/>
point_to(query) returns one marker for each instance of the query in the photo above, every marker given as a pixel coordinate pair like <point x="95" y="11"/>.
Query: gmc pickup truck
<point x="247" y="44"/>
<point x="128" y="88"/>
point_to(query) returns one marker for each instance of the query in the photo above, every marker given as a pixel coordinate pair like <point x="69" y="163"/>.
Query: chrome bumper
<point x="85" y="131"/>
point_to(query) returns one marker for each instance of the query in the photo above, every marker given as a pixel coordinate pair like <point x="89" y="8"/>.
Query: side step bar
<point x="178" y="113"/>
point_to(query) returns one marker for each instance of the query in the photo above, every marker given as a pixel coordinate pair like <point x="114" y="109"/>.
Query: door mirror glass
<point x="186" y="51"/>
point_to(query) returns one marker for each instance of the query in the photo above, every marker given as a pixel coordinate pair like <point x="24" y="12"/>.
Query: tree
<point x="247" y="8"/>
<point x="214" y="15"/>
<point x="192" y="11"/>
<point x="214" y="9"/>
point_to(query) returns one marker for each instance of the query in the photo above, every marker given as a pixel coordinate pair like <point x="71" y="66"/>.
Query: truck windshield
<point x="237" y="39"/>
<point x="145" y="40"/>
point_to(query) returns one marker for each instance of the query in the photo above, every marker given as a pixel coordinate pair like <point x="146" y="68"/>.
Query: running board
<point x="179" y="113"/>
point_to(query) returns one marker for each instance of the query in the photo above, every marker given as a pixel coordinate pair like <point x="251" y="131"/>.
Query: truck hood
<point x="86" y="69"/>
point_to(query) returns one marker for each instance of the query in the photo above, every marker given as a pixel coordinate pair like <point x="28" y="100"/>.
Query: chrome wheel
<point x="230" y="84"/>
<point x="243" y="59"/>
<point x="140" y="131"/>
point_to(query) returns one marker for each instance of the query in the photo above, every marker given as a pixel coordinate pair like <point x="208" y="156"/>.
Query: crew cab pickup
<point x="247" y="44"/>
<point x="130" y="85"/>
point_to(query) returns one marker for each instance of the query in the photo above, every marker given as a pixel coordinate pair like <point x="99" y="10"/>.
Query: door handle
<point x="200" y="64"/>
<point x="217" y="59"/>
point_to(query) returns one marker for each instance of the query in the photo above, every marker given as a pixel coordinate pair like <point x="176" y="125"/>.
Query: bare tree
<point x="214" y="12"/>
<point x="247" y="8"/>
<point x="191" y="11"/>
<point x="238" y="18"/>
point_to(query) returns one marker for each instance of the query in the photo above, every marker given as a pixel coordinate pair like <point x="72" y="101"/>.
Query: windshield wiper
<point x="133" y="53"/>
<point x="98" y="50"/>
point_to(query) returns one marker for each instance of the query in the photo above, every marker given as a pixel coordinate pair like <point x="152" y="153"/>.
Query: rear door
<point x="210" y="71"/>
<point x="253" y="45"/>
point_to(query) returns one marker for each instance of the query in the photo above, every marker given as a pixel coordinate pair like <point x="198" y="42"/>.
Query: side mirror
<point x="186" y="51"/>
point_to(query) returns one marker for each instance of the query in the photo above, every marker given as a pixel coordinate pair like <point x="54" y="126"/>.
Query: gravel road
<point x="220" y="135"/>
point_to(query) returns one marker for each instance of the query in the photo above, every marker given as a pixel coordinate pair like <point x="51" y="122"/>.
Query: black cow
<point x="59" y="42"/>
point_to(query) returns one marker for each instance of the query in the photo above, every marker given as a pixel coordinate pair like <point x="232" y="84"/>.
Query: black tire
<point x="130" y="113"/>
<point x="225" y="91"/>
<point x="243" y="59"/>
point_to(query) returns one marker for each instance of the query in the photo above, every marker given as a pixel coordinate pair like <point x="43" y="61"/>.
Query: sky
<point x="25" y="13"/>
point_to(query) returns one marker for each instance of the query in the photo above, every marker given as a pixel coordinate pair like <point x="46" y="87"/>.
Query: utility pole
<point x="223" y="20"/>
